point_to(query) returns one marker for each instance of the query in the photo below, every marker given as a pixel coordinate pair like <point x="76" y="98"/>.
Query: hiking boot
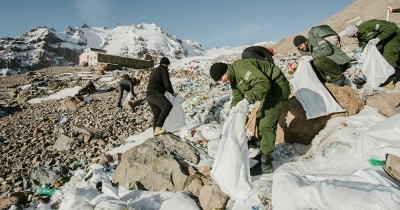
<point x="267" y="166"/>
<point x="158" y="131"/>
<point x="264" y="165"/>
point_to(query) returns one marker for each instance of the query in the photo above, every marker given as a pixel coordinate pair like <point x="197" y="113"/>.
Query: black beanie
<point x="164" y="60"/>
<point x="217" y="70"/>
<point x="298" y="40"/>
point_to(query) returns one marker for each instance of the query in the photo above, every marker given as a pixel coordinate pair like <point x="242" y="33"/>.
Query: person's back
<point x="159" y="80"/>
<point x="326" y="32"/>
<point x="258" y="52"/>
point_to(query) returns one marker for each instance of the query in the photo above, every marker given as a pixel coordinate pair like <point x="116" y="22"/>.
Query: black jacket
<point x="258" y="52"/>
<point x="159" y="80"/>
<point x="127" y="84"/>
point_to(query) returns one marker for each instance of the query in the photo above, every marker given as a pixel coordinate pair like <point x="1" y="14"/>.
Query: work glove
<point x="242" y="106"/>
<point x="374" y="41"/>
<point x="307" y="58"/>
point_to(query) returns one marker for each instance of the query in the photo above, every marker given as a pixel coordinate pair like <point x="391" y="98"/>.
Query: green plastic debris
<point x="376" y="162"/>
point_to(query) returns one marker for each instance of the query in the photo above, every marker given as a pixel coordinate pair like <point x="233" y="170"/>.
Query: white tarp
<point x="375" y="68"/>
<point x="231" y="166"/>
<point x="291" y="191"/>
<point x="380" y="140"/>
<point x="313" y="96"/>
<point x="176" y="118"/>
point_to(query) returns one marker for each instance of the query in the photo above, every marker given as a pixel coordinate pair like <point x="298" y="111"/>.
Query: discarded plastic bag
<point x="128" y="97"/>
<point x="211" y="132"/>
<point x="176" y="118"/>
<point x="231" y="168"/>
<point x="310" y="92"/>
<point x="375" y="67"/>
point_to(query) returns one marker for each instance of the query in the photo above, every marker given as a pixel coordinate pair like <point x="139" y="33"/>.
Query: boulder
<point x="293" y="125"/>
<point x="63" y="143"/>
<point x="71" y="103"/>
<point x="152" y="165"/>
<point x="212" y="197"/>
<point x="387" y="103"/>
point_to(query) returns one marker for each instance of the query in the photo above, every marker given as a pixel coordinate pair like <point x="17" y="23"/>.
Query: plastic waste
<point x="39" y="118"/>
<point x="376" y="162"/>
<point x="63" y="119"/>
<point x="45" y="191"/>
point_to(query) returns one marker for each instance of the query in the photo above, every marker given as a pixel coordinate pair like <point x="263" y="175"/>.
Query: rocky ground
<point x="30" y="156"/>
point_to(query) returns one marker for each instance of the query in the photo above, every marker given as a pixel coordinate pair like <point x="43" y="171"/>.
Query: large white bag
<point x="375" y="68"/>
<point x="310" y="92"/>
<point x="176" y="118"/>
<point x="231" y="168"/>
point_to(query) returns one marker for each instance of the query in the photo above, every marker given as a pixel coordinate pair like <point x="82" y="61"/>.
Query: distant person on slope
<point x="126" y="84"/>
<point x="259" y="52"/>
<point x="384" y="35"/>
<point x="255" y="80"/>
<point x="328" y="61"/>
<point x="326" y="32"/>
<point x="159" y="83"/>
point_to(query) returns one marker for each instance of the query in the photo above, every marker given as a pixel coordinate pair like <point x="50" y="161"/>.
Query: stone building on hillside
<point x="94" y="57"/>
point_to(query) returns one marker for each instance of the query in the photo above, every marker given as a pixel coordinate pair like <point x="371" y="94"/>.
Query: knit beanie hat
<point x="350" y="30"/>
<point x="164" y="60"/>
<point x="217" y="70"/>
<point x="298" y="40"/>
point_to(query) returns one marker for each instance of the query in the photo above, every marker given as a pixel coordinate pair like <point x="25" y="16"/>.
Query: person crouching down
<point x="255" y="80"/>
<point x="126" y="84"/>
<point x="159" y="83"/>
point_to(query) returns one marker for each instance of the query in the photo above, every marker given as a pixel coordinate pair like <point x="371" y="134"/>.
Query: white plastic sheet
<point x="291" y="191"/>
<point x="380" y="140"/>
<point x="310" y="92"/>
<point x="231" y="168"/>
<point x="176" y="118"/>
<point x="375" y="68"/>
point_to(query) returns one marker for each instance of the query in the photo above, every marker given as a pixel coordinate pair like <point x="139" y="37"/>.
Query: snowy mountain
<point x="42" y="46"/>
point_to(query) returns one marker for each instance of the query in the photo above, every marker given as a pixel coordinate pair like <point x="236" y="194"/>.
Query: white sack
<point x="291" y="191"/>
<point x="375" y="67"/>
<point x="380" y="140"/>
<point x="176" y="118"/>
<point x="310" y="92"/>
<point x="231" y="167"/>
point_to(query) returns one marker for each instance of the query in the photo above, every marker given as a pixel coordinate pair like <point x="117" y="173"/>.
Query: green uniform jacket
<point x="384" y="30"/>
<point x="321" y="31"/>
<point x="250" y="77"/>
<point x="319" y="47"/>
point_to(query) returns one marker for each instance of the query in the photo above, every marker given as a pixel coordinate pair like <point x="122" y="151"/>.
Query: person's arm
<point x="167" y="81"/>
<point x="258" y="83"/>
<point x="131" y="84"/>
<point x="237" y="95"/>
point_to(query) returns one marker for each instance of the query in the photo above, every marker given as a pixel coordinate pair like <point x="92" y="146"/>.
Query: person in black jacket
<point x="259" y="52"/>
<point x="159" y="83"/>
<point x="126" y="84"/>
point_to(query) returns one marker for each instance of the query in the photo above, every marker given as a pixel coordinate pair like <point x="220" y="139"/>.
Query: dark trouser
<point x="327" y="70"/>
<point x="160" y="106"/>
<point x="269" y="113"/>
<point x="120" y="94"/>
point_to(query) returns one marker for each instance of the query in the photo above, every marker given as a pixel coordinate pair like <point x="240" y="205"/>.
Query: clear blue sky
<point x="212" y="23"/>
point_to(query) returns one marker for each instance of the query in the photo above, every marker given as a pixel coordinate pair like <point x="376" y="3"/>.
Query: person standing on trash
<point x="384" y="35"/>
<point x="258" y="52"/>
<point x="256" y="80"/>
<point x="159" y="83"/>
<point x="126" y="84"/>
<point x="328" y="61"/>
<point x="325" y="32"/>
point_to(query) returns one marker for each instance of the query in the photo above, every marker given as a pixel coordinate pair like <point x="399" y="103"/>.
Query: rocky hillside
<point x="360" y="10"/>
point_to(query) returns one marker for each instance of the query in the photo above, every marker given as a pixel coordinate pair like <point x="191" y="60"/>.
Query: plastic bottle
<point x="45" y="191"/>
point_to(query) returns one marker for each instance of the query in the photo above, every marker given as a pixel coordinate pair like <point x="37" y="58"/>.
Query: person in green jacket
<point x="255" y="80"/>
<point x="328" y="61"/>
<point x="326" y="32"/>
<point x="383" y="34"/>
